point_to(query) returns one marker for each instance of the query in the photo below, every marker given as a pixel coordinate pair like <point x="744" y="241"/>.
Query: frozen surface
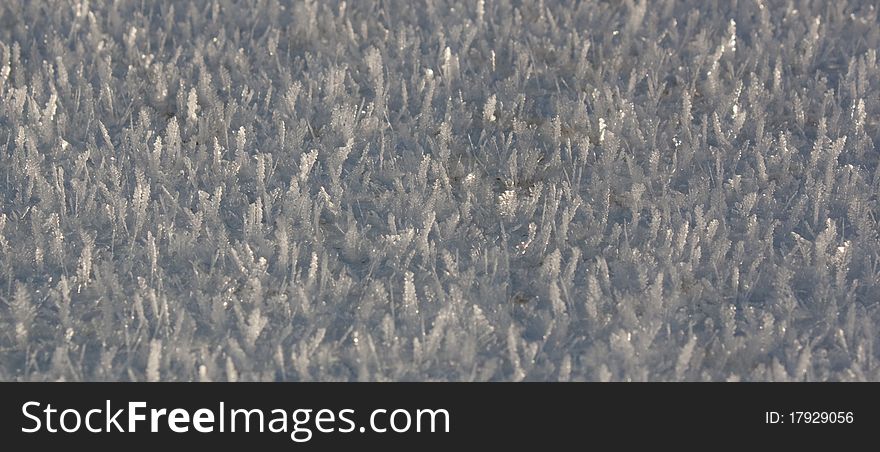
<point x="439" y="190"/>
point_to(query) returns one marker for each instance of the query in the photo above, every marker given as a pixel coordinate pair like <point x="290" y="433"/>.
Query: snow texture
<point x="439" y="190"/>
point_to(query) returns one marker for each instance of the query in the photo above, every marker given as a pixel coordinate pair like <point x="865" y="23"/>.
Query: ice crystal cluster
<point x="239" y="190"/>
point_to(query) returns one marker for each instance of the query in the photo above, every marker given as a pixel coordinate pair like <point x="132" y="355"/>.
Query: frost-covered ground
<point x="439" y="190"/>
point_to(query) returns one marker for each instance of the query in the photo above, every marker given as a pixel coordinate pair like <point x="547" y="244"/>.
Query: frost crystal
<point x="530" y="190"/>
